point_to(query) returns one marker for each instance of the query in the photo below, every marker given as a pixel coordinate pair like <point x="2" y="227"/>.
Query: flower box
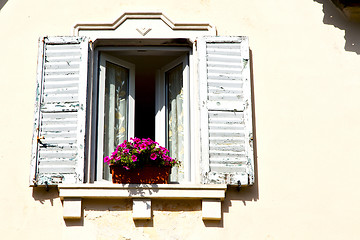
<point x="146" y="174"/>
<point x="140" y="161"/>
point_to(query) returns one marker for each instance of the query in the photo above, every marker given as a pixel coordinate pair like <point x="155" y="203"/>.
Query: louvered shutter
<point x="60" y="111"/>
<point x="226" y="116"/>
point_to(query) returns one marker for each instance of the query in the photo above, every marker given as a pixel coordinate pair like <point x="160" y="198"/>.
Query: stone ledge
<point x="105" y="190"/>
<point x="211" y="195"/>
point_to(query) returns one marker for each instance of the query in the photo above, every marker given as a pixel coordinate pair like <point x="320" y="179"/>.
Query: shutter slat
<point x="59" y="141"/>
<point x="234" y="169"/>
<point x="227" y="155"/>
<point x="61" y="84"/>
<point x="59" y="162"/>
<point x="63" y="107"/>
<point x="61" y="65"/>
<point x="62" y="77"/>
<point x="71" y="97"/>
<point x="53" y="170"/>
<point x="58" y="155"/>
<point x="61" y="90"/>
<point x="69" y="127"/>
<point x="51" y="153"/>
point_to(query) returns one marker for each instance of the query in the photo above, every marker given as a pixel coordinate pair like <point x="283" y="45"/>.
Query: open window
<point x="115" y="107"/>
<point x="194" y="98"/>
<point x="143" y="92"/>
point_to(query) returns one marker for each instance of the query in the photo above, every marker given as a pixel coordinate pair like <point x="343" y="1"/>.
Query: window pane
<point x="115" y="113"/>
<point x="175" y="119"/>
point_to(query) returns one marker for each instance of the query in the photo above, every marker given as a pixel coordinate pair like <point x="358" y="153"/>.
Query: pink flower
<point x="164" y="150"/>
<point x="134" y="158"/>
<point x="107" y="160"/>
<point x="126" y="151"/>
<point x="143" y="146"/>
<point x="114" y="154"/>
<point x="127" y="168"/>
<point x="153" y="156"/>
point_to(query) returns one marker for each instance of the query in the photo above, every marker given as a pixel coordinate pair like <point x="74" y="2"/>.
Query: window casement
<point x="86" y="103"/>
<point x="146" y="98"/>
<point x="115" y="108"/>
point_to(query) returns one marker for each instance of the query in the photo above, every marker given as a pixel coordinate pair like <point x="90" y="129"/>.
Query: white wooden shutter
<point x="60" y="109"/>
<point x="226" y="116"/>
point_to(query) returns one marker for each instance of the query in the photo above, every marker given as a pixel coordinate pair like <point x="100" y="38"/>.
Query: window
<point x="115" y="107"/>
<point x="87" y="103"/>
<point x="140" y="88"/>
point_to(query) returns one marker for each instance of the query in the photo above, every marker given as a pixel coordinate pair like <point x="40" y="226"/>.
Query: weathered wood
<point x="226" y="118"/>
<point x="59" y="132"/>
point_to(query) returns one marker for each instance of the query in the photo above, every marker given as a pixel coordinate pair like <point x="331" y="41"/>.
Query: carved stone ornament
<point x="143" y="24"/>
<point x="143" y="31"/>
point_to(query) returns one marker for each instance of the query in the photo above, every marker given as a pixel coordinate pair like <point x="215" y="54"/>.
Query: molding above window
<point x="143" y="25"/>
<point x="142" y="194"/>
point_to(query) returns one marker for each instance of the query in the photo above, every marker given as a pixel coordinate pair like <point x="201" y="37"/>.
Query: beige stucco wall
<point x="305" y="67"/>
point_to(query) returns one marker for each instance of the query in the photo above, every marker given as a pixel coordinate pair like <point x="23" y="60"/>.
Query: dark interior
<point x="147" y="62"/>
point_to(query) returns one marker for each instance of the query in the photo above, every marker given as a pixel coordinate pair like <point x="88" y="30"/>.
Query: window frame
<point x="94" y="171"/>
<point x="162" y="116"/>
<point x="72" y="194"/>
<point x="101" y="111"/>
<point x="55" y="173"/>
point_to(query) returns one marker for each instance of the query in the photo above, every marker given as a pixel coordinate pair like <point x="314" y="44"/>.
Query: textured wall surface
<point x="305" y="73"/>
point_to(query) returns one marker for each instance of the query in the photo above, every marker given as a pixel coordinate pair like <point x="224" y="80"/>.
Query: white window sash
<point x="101" y="108"/>
<point x="160" y="118"/>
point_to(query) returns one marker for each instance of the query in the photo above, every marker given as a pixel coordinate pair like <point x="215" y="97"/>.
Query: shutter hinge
<point x="238" y="187"/>
<point x="251" y="138"/>
<point x="34" y="181"/>
<point x="40" y="137"/>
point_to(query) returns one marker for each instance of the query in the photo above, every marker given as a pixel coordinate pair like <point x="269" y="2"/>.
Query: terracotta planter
<point x="147" y="174"/>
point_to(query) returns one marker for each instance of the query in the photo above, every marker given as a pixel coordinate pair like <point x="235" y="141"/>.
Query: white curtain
<point x="115" y="115"/>
<point x="176" y="120"/>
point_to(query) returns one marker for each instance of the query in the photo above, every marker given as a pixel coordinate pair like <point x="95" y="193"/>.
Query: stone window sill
<point x="141" y="195"/>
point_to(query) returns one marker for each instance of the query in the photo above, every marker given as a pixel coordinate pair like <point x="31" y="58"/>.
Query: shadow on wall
<point x="333" y="16"/>
<point x="253" y="193"/>
<point x="182" y="210"/>
<point x="41" y="195"/>
<point x="2" y="3"/>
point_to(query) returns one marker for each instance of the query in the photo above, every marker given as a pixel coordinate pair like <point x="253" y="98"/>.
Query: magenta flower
<point x="138" y="152"/>
<point x="164" y="150"/>
<point x="114" y="154"/>
<point x="153" y="156"/>
<point x="143" y="146"/>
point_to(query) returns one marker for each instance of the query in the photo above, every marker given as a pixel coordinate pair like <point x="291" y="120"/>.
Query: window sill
<point x="142" y="194"/>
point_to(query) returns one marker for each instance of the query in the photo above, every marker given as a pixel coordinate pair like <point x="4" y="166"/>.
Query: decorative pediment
<point x="143" y="25"/>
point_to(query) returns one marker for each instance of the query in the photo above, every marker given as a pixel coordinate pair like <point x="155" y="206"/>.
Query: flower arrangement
<point x="138" y="153"/>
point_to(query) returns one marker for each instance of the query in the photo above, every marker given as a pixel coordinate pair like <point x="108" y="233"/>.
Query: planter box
<point x="147" y="174"/>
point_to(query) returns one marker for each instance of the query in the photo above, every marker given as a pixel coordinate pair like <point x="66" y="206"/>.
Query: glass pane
<point x="175" y="119"/>
<point x="115" y="115"/>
